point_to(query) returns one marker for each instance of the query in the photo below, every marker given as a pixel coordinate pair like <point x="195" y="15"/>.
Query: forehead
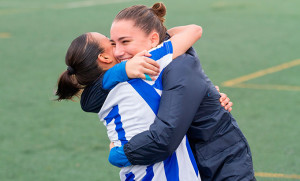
<point x="125" y="28"/>
<point x="98" y="37"/>
<point x="102" y="40"/>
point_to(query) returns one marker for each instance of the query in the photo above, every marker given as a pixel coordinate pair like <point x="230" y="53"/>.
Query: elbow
<point x="170" y="150"/>
<point x="197" y="31"/>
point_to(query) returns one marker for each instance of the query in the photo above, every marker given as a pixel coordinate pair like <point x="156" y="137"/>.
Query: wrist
<point x="118" y="158"/>
<point x="127" y="69"/>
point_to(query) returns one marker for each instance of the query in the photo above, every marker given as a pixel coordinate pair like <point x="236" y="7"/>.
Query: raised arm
<point x="140" y="64"/>
<point x="183" y="37"/>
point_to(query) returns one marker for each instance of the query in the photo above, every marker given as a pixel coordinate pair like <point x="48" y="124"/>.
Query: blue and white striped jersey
<point x="130" y="108"/>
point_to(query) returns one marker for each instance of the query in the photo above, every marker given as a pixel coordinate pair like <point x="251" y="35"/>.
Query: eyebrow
<point x="120" y="39"/>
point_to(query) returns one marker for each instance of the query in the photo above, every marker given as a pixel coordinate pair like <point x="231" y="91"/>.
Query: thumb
<point x="218" y="89"/>
<point x="111" y="145"/>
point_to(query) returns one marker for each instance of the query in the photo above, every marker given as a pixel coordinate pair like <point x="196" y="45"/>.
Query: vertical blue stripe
<point x="129" y="177"/>
<point x="147" y="92"/>
<point x="149" y="173"/>
<point x="120" y="130"/>
<point x="158" y="82"/>
<point x="160" y="52"/>
<point x="171" y="168"/>
<point x="114" y="114"/>
<point x="192" y="158"/>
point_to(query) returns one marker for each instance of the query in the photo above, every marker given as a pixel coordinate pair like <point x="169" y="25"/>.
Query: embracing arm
<point x="94" y="95"/>
<point x="140" y="65"/>
<point x="181" y="97"/>
<point x="183" y="37"/>
<point x="181" y="41"/>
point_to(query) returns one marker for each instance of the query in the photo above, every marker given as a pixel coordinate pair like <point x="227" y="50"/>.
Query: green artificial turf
<point x="45" y="140"/>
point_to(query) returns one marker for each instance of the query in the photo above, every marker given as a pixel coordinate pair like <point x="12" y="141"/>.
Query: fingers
<point x="224" y="99"/>
<point x="218" y="89"/>
<point x="144" y="53"/>
<point x="228" y="107"/>
<point x="225" y="102"/>
<point x="153" y="63"/>
<point x="148" y="62"/>
<point x="143" y="76"/>
<point x="111" y="145"/>
<point x="150" y="66"/>
<point x="149" y="70"/>
<point x="140" y="65"/>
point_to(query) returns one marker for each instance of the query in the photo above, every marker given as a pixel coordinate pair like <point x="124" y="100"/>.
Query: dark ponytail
<point x="147" y="19"/>
<point x="83" y="69"/>
<point x="67" y="86"/>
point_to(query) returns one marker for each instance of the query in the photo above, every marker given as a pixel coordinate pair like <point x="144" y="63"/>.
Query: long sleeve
<point x="115" y="75"/>
<point x="184" y="86"/>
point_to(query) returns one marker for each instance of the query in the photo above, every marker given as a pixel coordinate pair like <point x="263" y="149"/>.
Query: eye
<point x="113" y="43"/>
<point x="125" y="41"/>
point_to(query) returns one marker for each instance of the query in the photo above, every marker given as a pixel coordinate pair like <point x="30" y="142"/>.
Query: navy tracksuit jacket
<point x="189" y="106"/>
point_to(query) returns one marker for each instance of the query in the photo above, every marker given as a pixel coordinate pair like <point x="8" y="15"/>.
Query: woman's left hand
<point x="225" y="101"/>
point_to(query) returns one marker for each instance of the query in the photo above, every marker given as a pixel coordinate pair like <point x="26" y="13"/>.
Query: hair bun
<point x="160" y="10"/>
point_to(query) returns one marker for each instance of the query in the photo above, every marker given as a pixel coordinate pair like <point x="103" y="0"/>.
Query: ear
<point x="104" y="58"/>
<point x="154" y="37"/>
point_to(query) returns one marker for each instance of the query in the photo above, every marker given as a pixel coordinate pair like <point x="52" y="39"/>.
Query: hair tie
<point x="148" y="77"/>
<point x="71" y="71"/>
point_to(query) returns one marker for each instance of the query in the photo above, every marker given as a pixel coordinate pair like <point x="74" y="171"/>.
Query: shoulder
<point x="93" y="97"/>
<point x="161" y="50"/>
<point x="185" y="63"/>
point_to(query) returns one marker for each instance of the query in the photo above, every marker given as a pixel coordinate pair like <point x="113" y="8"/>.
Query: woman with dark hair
<point x="89" y="56"/>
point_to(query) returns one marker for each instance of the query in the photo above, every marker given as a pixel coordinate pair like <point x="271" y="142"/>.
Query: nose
<point x="118" y="51"/>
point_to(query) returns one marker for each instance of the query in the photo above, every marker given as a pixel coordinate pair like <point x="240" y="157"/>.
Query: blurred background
<point x="249" y="48"/>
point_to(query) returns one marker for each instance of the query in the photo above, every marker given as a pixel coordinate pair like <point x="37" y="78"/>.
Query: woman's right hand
<point x="140" y="65"/>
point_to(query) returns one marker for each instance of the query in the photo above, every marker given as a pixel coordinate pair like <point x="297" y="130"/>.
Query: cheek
<point x="137" y="48"/>
<point x="114" y="51"/>
<point x="132" y="49"/>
